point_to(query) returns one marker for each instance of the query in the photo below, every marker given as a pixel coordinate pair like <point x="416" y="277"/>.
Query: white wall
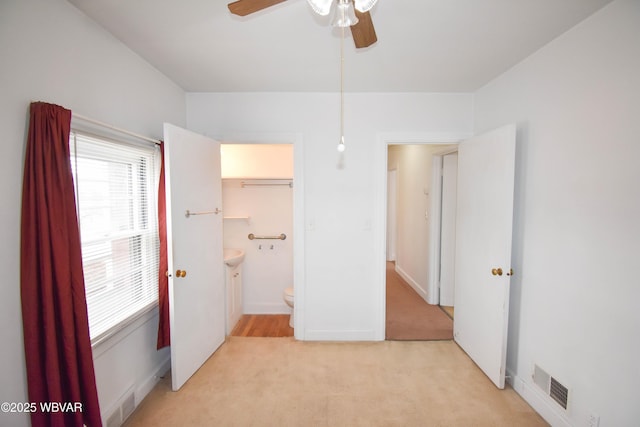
<point x="52" y="52"/>
<point x="575" y="294"/>
<point x="259" y="161"/>
<point x="341" y="299"/>
<point x="268" y="265"/>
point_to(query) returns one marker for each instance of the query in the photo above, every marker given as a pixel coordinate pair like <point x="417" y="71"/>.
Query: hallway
<point x="409" y="317"/>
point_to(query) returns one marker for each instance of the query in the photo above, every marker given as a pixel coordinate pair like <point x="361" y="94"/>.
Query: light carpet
<point x="283" y="382"/>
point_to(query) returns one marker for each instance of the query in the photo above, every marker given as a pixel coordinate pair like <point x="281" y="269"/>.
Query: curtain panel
<point x="56" y="330"/>
<point x="164" y="336"/>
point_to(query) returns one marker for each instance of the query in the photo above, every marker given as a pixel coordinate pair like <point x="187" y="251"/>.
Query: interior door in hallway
<point x="486" y="166"/>
<point x="448" y="229"/>
<point x="196" y="281"/>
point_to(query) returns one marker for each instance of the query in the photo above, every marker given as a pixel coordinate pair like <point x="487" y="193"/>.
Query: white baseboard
<point x="416" y="287"/>
<point x="114" y="416"/>
<point x="539" y="402"/>
<point x="149" y="383"/>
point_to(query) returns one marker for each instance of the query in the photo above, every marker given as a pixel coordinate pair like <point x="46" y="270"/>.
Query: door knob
<point x="181" y="273"/>
<point x="496" y="271"/>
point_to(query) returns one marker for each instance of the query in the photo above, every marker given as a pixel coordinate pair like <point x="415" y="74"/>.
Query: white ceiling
<point x="423" y="45"/>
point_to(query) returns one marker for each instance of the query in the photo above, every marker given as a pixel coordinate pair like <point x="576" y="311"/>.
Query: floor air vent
<point x="552" y="387"/>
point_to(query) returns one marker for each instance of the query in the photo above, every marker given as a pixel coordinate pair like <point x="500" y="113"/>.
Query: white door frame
<point x="380" y="211"/>
<point x="298" y="210"/>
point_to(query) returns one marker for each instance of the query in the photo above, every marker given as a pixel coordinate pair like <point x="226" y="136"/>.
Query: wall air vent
<point x="559" y="393"/>
<point x="552" y="387"/>
<point x="114" y="420"/>
<point x="122" y="412"/>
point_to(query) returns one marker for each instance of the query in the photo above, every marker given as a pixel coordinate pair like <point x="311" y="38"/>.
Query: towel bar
<point x="254" y="237"/>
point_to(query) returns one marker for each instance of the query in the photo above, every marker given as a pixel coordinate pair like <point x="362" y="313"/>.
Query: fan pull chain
<point x="341" y="146"/>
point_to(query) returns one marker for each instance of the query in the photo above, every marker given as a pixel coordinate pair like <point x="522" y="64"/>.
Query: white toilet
<point x="288" y="298"/>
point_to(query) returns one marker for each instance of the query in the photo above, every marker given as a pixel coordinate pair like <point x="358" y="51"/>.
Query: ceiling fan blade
<point x="246" y="7"/>
<point x="364" y="35"/>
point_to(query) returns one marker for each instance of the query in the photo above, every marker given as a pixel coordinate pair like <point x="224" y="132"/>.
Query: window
<point x="116" y="193"/>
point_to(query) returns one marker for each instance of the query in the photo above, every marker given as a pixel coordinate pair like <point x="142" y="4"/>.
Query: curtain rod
<point x="114" y="128"/>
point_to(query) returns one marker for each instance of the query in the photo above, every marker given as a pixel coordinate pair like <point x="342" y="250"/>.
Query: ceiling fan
<point x="362" y="30"/>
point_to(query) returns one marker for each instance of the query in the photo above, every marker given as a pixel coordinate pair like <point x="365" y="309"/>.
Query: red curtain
<point x="54" y="309"/>
<point x="164" y="337"/>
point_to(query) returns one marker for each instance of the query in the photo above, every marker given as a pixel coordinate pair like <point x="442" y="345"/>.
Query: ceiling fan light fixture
<point x="345" y="15"/>
<point x="364" y="5"/>
<point x="321" y="7"/>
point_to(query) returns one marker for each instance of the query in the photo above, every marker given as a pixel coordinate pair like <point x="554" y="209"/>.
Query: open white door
<point x="486" y="166"/>
<point x="194" y="243"/>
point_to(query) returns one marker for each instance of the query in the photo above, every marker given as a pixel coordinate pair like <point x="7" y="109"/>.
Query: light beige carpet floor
<point x="283" y="382"/>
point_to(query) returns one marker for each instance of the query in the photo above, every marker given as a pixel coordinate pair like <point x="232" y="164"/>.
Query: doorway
<point x="486" y="165"/>
<point x="384" y="140"/>
<point x="257" y="197"/>
<point x="414" y="214"/>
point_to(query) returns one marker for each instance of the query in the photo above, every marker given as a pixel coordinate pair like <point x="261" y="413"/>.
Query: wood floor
<point x="449" y="310"/>
<point x="263" y="325"/>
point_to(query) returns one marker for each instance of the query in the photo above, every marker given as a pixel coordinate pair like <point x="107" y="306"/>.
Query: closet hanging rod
<point x="114" y="128"/>
<point x="254" y="237"/>
<point x="249" y="184"/>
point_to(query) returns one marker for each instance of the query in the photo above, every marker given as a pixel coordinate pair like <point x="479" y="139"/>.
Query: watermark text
<point x="28" y="407"/>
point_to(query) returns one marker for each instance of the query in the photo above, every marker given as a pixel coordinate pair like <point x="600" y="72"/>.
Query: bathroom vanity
<point x="233" y="259"/>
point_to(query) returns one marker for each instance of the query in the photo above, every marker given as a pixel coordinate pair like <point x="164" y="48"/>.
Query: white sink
<point x="233" y="257"/>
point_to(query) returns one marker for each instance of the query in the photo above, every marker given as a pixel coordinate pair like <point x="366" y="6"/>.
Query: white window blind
<point x="116" y="196"/>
